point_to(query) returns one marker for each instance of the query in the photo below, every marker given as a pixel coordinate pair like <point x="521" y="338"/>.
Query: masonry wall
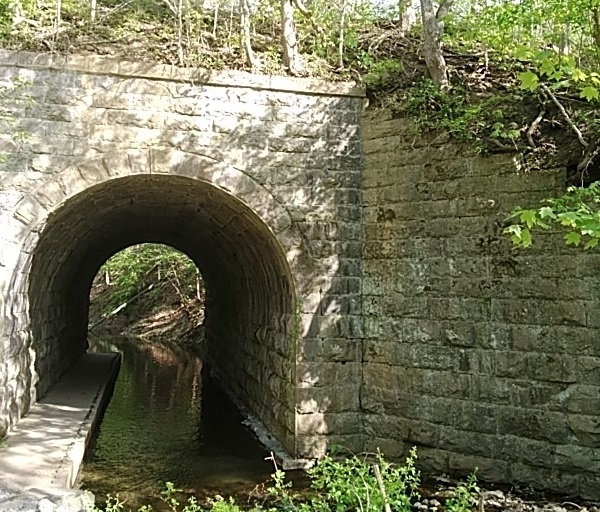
<point x="271" y="207"/>
<point x="478" y="354"/>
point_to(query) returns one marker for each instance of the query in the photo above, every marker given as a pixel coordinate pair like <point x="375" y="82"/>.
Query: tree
<point x="245" y="29"/>
<point x="289" y="39"/>
<point x="433" y="28"/>
<point x="407" y="14"/>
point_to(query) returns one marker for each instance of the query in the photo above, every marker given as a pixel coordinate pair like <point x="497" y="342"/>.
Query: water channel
<point x="169" y="421"/>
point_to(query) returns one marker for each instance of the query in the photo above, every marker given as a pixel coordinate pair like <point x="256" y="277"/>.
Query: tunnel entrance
<point x="249" y="288"/>
<point x="152" y="291"/>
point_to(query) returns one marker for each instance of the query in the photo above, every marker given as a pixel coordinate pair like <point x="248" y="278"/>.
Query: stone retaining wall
<point x="359" y="292"/>
<point x="480" y="355"/>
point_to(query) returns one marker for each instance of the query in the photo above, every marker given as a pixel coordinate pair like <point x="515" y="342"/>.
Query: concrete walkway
<point x="46" y="448"/>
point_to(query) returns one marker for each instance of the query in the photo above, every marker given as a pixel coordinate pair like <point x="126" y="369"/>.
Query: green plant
<point x="465" y="495"/>
<point x="559" y="71"/>
<point x="351" y="484"/>
<point x="381" y="71"/>
<point x="577" y="212"/>
<point x="281" y="490"/>
<point x="113" y="504"/>
<point x="220" y="504"/>
<point x="168" y="496"/>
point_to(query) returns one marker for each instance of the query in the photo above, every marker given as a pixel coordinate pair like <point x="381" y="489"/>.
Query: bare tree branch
<point x="443" y="9"/>
<point x="577" y="131"/>
<point x="533" y="126"/>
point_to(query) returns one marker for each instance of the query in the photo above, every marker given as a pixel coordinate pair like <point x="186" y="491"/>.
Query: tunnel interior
<point x="249" y="306"/>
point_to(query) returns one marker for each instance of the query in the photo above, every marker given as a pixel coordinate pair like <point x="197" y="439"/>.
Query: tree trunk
<point x="432" y="49"/>
<point x="408" y="16"/>
<point x="245" y="29"/>
<point x="341" y="41"/>
<point x="291" y="55"/>
<point x="596" y="26"/>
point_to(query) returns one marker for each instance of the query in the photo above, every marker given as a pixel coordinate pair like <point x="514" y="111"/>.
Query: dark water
<point x="168" y="421"/>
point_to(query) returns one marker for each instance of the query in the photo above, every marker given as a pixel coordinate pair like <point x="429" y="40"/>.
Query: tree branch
<point x="302" y="8"/>
<point x="533" y="126"/>
<point x="565" y="114"/>
<point x="443" y="9"/>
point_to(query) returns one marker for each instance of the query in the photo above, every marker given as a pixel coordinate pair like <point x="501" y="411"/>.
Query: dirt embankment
<point x="158" y="312"/>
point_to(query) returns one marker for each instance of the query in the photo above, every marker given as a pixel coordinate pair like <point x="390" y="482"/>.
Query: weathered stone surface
<point x="244" y="173"/>
<point x="360" y="289"/>
<point x="12" y="500"/>
<point x="483" y="356"/>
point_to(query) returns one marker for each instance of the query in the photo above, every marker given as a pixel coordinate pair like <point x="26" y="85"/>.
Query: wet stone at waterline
<point x="169" y="421"/>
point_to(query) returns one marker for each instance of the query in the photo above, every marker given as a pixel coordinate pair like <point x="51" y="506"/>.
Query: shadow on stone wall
<point x="259" y="185"/>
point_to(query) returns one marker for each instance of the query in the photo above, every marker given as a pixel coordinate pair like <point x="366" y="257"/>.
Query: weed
<point x="465" y="495"/>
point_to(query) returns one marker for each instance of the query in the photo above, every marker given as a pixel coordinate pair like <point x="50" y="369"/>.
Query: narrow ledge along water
<point x="169" y="421"/>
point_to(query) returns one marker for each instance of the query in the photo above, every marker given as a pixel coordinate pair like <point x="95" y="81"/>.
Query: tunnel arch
<point x="242" y="240"/>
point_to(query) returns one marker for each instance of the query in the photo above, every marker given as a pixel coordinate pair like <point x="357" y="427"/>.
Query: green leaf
<point x="573" y="238"/>
<point x="526" y="238"/>
<point x="589" y="93"/>
<point x="547" y="67"/>
<point x="591" y="243"/>
<point x="529" y="80"/>
<point x="568" y="218"/>
<point x="524" y="53"/>
<point x="528" y="217"/>
<point x="547" y="212"/>
<point x="578" y="75"/>
<point x="513" y="229"/>
<point x="561" y="84"/>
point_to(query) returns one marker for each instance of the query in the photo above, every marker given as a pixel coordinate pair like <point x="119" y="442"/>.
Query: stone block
<point x="488" y="469"/>
<point x="585" y="429"/>
<point x="470" y="443"/>
<point x="541" y="478"/>
<point x="552" y="367"/>
<point x="335" y="399"/>
<point x="589" y="487"/>
<point x="533" y="424"/>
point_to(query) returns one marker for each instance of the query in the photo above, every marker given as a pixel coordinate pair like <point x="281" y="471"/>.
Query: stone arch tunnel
<point x="250" y="290"/>
<point x="250" y="259"/>
<point x="255" y="178"/>
<point x="360" y="293"/>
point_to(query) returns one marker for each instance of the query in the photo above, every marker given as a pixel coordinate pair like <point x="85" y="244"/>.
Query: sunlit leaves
<point x="573" y="238"/>
<point x="589" y="93"/>
<point x="529" y="80"/>
<point x="528" y="217"/>
<point x="555" y="39"/>
<point x="577" y="212"/>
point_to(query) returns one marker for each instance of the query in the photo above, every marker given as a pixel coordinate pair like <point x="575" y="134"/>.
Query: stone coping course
<point x="97" y="64"/>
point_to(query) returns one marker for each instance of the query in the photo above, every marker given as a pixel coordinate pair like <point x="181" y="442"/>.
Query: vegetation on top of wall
<point x="507" y="76"/>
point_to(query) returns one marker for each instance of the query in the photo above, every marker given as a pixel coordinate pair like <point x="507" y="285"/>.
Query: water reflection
<point x="169" y="421"/>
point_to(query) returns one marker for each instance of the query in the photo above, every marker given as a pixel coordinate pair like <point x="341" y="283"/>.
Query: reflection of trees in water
<point x="171" y="373"/>
<point x="169" y="420"/>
